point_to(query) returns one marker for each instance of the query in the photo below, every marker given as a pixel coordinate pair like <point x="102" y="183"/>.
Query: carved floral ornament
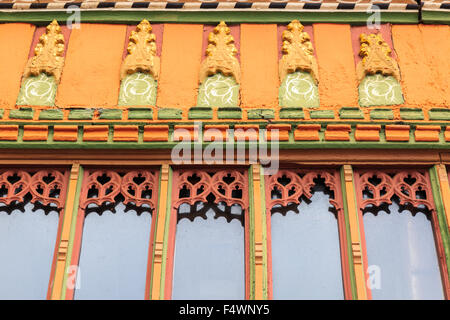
<point x="141" y="52"/>
<point x="48" y="54"/>
<point x="376" y="58"/>
<point x="298" y="52"/>
<point x="220" y="55"/>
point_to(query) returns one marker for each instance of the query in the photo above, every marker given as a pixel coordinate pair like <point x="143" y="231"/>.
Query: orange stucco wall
<point x="423" y="63"/>
<point x="180" y="65"/>
<point x="337" y="76"/>
<point x="91" y="74"/>
<point x="259" y="65"/>
<point x="16" y="41"/>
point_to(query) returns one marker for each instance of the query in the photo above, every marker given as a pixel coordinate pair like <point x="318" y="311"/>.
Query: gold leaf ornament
<point x="220" y="55"/>
<point x="48" y="54"/>
<point x="298" y="52"/>
<point x="376" y="57"/>
<point x="141" y="52"/>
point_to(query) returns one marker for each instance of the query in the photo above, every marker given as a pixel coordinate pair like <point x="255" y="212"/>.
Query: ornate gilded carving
<point x="376" y="58"/>
<point x="226" y="187"/>
<point x="48" y="54"/>
<point x="220" y="55"/>
<point x="298" y="52"/>
<point x="141" y="52"/>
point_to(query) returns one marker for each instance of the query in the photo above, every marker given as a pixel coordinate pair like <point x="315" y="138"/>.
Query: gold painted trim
<point x="221" y="55"/>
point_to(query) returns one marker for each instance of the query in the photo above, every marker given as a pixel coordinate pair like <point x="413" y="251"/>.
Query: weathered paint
<point x="16" y="41"/>
<point x="92" y="64"/>
<point x="180" y="64"/>
<point x="337" y="76"/>
<point x="259" y="66"/>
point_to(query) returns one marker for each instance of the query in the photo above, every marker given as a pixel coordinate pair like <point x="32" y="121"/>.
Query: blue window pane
<point x="27" y="243"/>
<point x="114" y="252"/>
<point x="209" y="259"/>
<point x="402" y="256"/>
<point x="306" y="261"/>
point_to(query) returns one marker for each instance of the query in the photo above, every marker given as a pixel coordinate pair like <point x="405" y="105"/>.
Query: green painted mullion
<point x="440" y="212"/>
<point x="72" y="229"/>
<point x="351" y="269"/>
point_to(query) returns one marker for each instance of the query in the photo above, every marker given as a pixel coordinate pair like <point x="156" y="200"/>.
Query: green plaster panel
<point x="381" y="114"/>
<point x="379" y="90"/>
<point x="22" y="113"/>
<point x="170" y="113"/>
<point x="212" y="17"/>
<point x="51" y="114"/>
<point x="81" y="114"/>
<point x="260" y="114"/>
<point x="218" y="91"/>
<point x="439" y="114"/>
<point x="37" y="91"/>
<point x="138" y="89"/>
<point x="140" y="113"/>
<point x="322" y="114"/>
<point x="411" y="114"/>
<point x="111" y="114"/>
<point x="436" y="17"/>
<point x="351" y="113"/>
<point x="200" y="113"/>
<point x="292" y="113"/>
<point x="298" y="90"/>
<point x="229" y="113"/>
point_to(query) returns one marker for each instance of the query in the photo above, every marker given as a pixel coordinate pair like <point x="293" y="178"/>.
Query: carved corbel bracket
<point x="48" y="54"/>
<point x="298" y="52"/>
<point x="221" y="55"/>
<point x="141" y="52"/>
<point x="376" y="58"/>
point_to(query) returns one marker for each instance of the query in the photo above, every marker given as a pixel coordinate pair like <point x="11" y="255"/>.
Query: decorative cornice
<point x="141" y="52"/>
<point x="159" y="136"/>
<point x="298" y="52"/>
<point x="48" y="53"/>
<point x="376" y="57"/>
<point x="221" y="55"/>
